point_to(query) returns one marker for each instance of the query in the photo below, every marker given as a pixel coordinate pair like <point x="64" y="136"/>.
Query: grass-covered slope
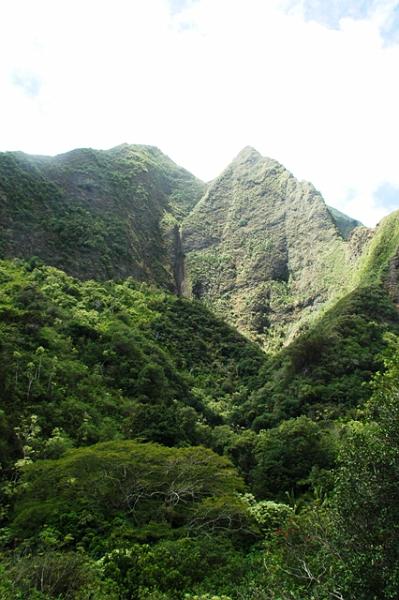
<point x="97" y="214"/>
<point x="324" y="372"/>
<point x="379" y="262"/>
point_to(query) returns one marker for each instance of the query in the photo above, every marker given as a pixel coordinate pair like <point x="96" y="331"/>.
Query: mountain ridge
<point x="257" y="245"/>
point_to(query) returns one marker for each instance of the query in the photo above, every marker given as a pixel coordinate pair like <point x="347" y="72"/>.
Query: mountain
<point x="344" y="223"/>
<point x="256" y="245"/>
<point x="264" y="250"/>
<point x="97" y="214"/>
<point x="259" y="247"/>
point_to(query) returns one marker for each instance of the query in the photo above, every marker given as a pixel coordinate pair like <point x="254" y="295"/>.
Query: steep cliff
<point x="263" y="248"/>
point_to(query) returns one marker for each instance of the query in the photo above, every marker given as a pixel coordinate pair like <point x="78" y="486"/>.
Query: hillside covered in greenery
<point x="97" y="214"/>
<point x="149" y="450"/>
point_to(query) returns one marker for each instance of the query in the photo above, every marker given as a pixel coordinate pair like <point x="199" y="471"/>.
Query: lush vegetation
<point x="141" y="460"/>
<point x="83" y="363"/>
<point x="148" y="451"/>
<point x="97" y="214"/>
<point x="97" y="361"/>
<point x="325" y="371"/>
<point x="124" y="519"/>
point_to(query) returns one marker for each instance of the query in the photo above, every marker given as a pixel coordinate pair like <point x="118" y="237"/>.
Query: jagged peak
<point x="247" y="153"/>
<point x="250" y="157"/>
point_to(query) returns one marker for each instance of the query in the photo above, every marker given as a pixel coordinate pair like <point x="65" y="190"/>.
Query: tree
<point x="367" y="492"/>
<point x="286" y="455"/>
<point x="140" y="485"/>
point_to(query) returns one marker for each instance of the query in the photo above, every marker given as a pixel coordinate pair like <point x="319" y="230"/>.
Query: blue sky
<point x="311" y="83"/>
<point x="387" y="197"/>
<point x="331" y="12"/>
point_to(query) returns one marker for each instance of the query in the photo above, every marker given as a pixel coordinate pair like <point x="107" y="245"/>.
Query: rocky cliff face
<point x="263" y="248"/>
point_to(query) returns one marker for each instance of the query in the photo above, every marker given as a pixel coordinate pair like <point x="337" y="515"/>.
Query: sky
<point x="313" y="84"/>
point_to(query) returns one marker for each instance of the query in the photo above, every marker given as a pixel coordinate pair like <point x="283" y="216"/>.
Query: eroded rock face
<point x="263" y="248"/>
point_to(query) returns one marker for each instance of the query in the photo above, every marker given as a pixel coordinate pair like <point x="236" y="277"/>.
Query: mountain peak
<point x="247" y="153"/>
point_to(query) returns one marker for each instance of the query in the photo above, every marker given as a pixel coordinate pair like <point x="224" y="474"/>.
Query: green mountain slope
<point x="100" y="361"/>
<point x="262" y="248"/>
<point x="324" y="372"/>
<point x="379" y="262"/>
<point x="99" y="214"/>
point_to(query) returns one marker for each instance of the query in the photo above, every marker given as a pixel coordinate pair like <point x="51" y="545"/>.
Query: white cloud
<point x="203" y="83"/>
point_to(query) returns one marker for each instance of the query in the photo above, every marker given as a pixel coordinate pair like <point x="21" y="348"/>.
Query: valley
<point x="198" y="384"/>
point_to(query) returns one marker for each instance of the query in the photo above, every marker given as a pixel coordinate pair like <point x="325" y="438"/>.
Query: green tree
<point x="286" y="455"/>
<point x="367" y="492"/>
<point x="141" y="486"/>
